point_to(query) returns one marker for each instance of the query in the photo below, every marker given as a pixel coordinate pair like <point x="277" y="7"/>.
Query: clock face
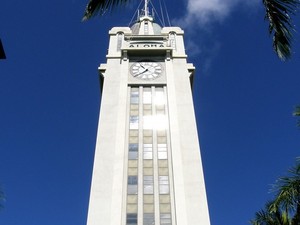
<point x="146" y="70"/>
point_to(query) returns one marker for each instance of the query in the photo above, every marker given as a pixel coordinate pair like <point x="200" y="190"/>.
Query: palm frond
<point x="100" y="7"/>
<point x="2" y="52"/>
<point x="278" y="13"/>
<point x="285" y="208"/>
<point x="271" y="216"/>
<point x="288" y="189"/>
<point x="297" y="111"/>
<point x="261" y="218"/>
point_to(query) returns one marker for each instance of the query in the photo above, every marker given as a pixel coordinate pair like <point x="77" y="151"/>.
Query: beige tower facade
<point x="147" y="166"/>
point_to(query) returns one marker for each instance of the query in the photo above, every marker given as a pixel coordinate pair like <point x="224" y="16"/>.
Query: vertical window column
<point x="172" y="39"/>
<point x="162" y="156"/>
<point x="119" y="41"/>
<point x="146" y="27"/>
<point x="148" y="178"/>
<point x="133" y="152"/>
<point x="149" y="164"/>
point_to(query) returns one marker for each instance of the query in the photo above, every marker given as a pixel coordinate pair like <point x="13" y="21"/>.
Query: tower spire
<point x="146" y="8"/>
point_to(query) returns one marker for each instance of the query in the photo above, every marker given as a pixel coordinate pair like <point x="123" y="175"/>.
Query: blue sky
<point x="50" y="99"/>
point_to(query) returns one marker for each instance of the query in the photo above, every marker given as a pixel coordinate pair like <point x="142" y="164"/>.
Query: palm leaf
<point x="2" y="52"/>
<point x="278" y="14"/>
<point x="288" y="191"/>
<point x="285" y="208"/>
<point x="100" y="7"/>
<point x="297" y="111"/>
<point x="271" y="216"/>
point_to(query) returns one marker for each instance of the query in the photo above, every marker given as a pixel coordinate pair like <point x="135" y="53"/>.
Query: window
<point x="165" y="219"/>
<point x="148" y="122"/>
<point x="159" y="97"/>
<point x="162" y="151"/>
<point x="133" y="151"/>
<point x="148" y="219"/>
<point x="172" y="40"/>
<point x="134" y="122"/>
<point x="146" y="29"/>
<point x="131" y="219"/>
<point x="132" y="184"/>
<point x="134" y="96"/>
<point x="119" y="43"/>
<point x="132" y="180"/>
<point x="163" y="185"/>
<point x="147" y="97"/>
<point x="148" y="138"/>
<point x="134" y="119"/>
<point x="148" y="184"/>
<point x="148" y="153"/>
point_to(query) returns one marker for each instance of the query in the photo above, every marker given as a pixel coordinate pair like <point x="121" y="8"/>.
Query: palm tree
<point x="288" y="194"/>
<point x="297" y="113"/>
<point x="100" y="7"/>
<point x="285" y="208"/>
<point x="2" y="52"/>
<point x="278" y="13"/>
<point x="268" y="217"/>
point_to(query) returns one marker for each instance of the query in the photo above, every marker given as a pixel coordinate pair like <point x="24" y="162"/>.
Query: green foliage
<point x="268" y="217"/>
<point x="100" y="7"/>
<point x="285" y="208"/>
<point x="297" y="113"/>
<point x="278" y="13"/>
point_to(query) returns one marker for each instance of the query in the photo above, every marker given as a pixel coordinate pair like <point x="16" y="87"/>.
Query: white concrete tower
<point x="147" y="167"/>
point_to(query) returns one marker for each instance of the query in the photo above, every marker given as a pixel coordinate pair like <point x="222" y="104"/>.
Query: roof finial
<point x="146" y="8"/>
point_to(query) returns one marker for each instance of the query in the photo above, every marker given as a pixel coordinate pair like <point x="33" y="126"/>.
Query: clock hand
<point x="141" y="72"/>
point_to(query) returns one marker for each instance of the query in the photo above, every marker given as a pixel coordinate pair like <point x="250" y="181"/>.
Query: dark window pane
<point x="134" y="119"/>
<point x="132" y="180"/>
<point x="133" y="147"/>
<point x="131" y="219"/>
<point x="133" y="151"/>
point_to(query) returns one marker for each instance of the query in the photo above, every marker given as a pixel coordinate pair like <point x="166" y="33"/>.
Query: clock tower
<point x="147" y="166"/>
